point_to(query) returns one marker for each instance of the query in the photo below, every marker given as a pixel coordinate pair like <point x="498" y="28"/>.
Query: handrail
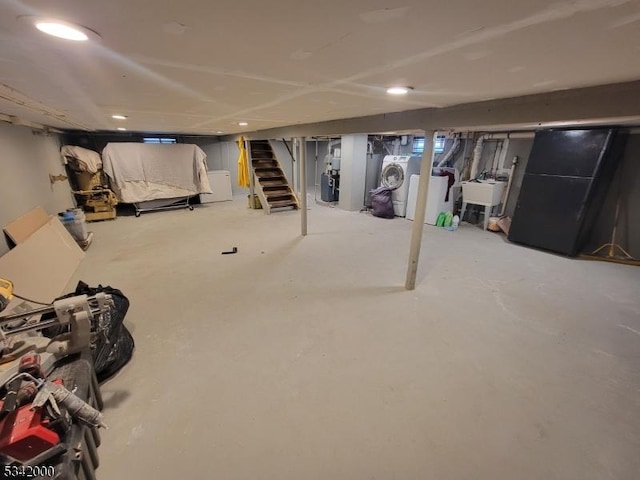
<point x="289" y="150"/>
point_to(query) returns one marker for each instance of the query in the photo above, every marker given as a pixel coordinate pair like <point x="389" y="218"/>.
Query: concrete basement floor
<point x="306" y="359"/>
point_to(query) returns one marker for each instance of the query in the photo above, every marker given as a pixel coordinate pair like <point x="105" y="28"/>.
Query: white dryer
<point x="396" y="172"/>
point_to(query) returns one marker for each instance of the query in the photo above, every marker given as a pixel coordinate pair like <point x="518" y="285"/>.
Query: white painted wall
<point x="353" y="166"/>
<point x="283" y="156"/>
<point x="224" y="156"/>
<point x="26" y="160"/>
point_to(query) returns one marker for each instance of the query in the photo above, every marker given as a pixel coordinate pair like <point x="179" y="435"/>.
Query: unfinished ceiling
<point x="201" y="67"/>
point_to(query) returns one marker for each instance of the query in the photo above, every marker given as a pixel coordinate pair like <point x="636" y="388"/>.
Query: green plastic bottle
<point x="448" y="219"/>
<point x="440" y="220"/>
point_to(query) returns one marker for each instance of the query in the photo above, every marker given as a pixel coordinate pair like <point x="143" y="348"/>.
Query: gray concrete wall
<point x="626" y="183"/>
<point x="352" y="172"/>
<point x="626" y="187"/>
<point x="520" y="148"/>
<point x="27" y="160"/>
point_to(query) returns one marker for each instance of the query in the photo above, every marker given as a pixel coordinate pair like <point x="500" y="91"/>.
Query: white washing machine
<point x="439" y="198"/>
<point x="396" y="172"/>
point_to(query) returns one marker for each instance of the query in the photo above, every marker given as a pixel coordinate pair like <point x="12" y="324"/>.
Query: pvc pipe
<point x="303" y="185"/>
<point x="477" y="154"/>
<point x="450" y="153"/>
<point x="421" y="209"/>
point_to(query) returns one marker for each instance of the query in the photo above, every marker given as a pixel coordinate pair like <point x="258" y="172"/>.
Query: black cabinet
<point x="565" y="182"/>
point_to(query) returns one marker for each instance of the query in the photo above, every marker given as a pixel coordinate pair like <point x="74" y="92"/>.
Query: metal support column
<point x="421" y="209"/>
<point x="302" y="179"/>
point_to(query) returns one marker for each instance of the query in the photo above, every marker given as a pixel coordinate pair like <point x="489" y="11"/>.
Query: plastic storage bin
<point x="76" y="223"/>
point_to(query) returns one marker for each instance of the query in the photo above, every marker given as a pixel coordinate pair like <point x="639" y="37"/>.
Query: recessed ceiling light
<point x="62" y="30"/>
<point x="122" y="129"/>
<point x="219" y="132"/>
<point x="398" y="90"/>
<point x="243" y="124"/>
<point x="119" y="117"/>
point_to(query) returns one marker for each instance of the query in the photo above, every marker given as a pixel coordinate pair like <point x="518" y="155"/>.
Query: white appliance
<point x="220" y="181"/>
<point x="396" y="171"/>
<point x="436" y="198"/>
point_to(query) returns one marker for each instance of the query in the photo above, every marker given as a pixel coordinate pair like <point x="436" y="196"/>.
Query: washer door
<point x="392" y="176"/>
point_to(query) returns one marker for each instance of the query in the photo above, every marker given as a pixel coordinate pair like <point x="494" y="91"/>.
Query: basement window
<point x="418" y="145"/>
<point x="158" y="140"/>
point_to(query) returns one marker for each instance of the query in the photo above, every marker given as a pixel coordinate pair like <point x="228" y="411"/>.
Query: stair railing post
<point x="302" y="180"/>
<point x="247" y="147"/>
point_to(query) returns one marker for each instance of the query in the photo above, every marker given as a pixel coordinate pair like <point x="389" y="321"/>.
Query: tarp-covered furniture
<point x="152" y="176"/>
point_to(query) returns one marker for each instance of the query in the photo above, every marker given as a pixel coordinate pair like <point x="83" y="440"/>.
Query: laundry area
<point x="267" y="240"/>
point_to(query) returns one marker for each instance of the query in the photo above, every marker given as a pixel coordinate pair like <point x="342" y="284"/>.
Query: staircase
<point x="270" y="182"/>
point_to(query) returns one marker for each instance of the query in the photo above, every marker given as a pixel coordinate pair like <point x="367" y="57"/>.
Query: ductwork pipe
<point x="452" y="151"/>
<point x="477" y="152"/>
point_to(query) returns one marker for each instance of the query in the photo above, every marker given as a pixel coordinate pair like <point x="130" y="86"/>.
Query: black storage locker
<point x="564" y="185"/>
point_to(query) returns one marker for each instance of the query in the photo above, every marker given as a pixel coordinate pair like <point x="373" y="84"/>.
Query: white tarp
<point x="140" y="171"/>
<point x="86" y="160"/>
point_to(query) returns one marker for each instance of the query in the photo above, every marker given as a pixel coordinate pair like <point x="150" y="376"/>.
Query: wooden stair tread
<point x="270" y="180"/>
<point x="282" y="196"/>
<point x="277" y="190"/>
<point x="268" y="176"/>
<point x="267" y="168"/>
<point x="273" y="183"/>
<point x="283" y="203"/>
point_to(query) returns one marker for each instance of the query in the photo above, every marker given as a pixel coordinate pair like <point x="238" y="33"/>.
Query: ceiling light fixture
<point x="398" y="90"/>
<point x="60" y="28"/>
<point x="119" y="117"/>
<point x="243" y="124"/>
<point x="219" y="132"/>
<point x="122" y="129"/>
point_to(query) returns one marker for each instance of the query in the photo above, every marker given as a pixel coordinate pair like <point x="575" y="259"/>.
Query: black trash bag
<point x="111" y="342"/>
<point x="382" y="203"/>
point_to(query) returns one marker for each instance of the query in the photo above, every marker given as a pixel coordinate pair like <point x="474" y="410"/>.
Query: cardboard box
<point x="41" y="265"/>
<point x="23" y="227"/>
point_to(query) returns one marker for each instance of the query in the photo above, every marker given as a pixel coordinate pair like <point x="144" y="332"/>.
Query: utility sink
<point x="487" y="193"/>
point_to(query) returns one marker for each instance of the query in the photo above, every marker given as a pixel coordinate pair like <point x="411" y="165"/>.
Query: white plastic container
<point x="78" y="226"/>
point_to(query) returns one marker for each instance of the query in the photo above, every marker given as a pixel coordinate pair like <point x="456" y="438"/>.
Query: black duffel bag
<point x="111" y="342"/>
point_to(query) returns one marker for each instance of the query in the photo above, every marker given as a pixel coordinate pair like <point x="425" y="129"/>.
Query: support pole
<point x="421" y="209"/>
<point x="302" y="181"/>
